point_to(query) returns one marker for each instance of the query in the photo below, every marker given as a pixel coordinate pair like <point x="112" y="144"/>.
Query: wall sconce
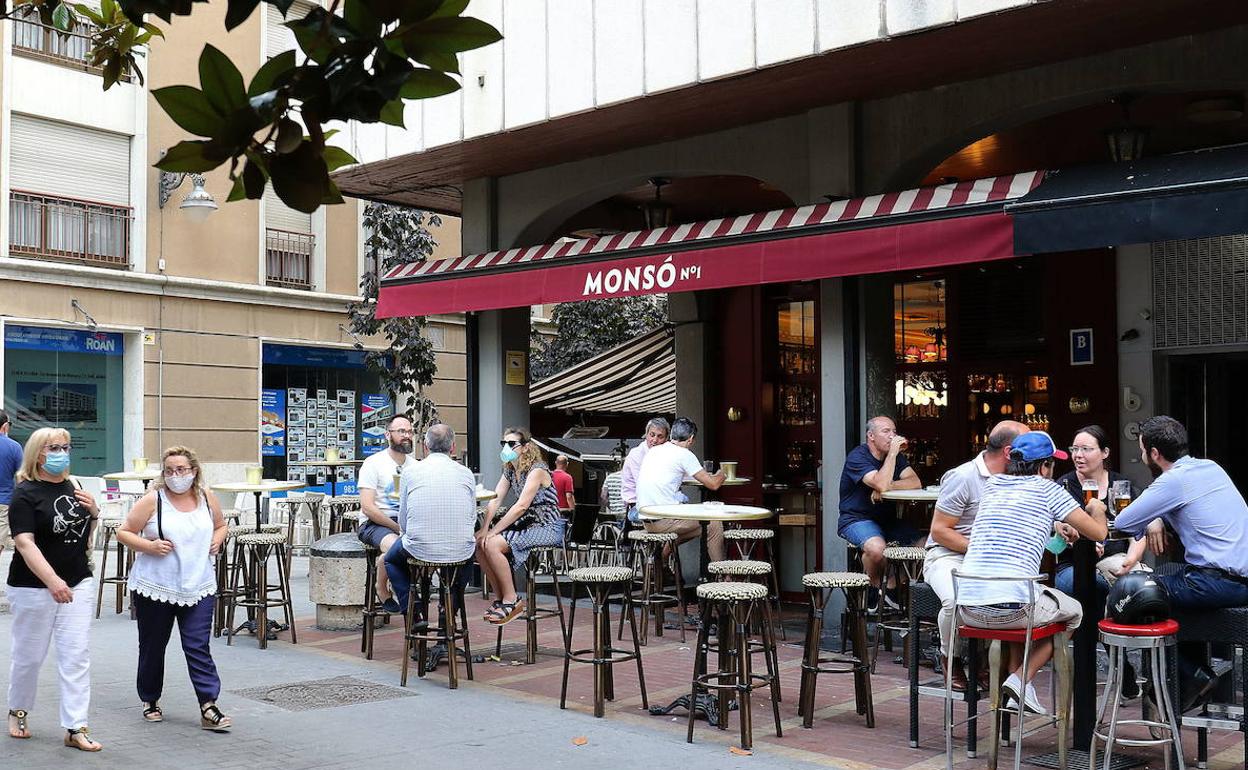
<point x="87" y="320"/>
<point x="1079" y="405"/>
<point x="197" y="204"/>
<point x="735" y="414"/>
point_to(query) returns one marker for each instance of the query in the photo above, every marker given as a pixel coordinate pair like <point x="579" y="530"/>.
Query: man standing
<point x="564" y="487"/>
<point x="866" y="520"/>
<point x="960" y="493"/>
<point x="656" y="433"/>
<point x="664" y="469"/>
<point x="10" y="461"/>
<point x="1200" y="502"/>
<point x="376" y="485"/>
<point x="438" y="510"/>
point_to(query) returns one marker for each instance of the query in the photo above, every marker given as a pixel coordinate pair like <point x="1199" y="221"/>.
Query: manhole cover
<point x="323" y="693"/>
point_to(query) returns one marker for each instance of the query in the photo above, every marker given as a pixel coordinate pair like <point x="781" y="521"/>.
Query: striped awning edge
<point x="638" y="377"/>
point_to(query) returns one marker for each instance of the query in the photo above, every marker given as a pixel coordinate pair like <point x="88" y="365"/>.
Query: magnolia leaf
<point x="187" y="157"/>
<point x="190" y="109"/>
<point x="271" y="73"/>
<point x="300" y="178"/>
<point x="450" y="8"/>
<point x="428" y="84"/>
<point x="289" y="136"/>
<point x="448" y="35"/>
<point x="392" y="113"/>
<point x="221" y="80"/>
<point x="238" y="11"/>
<point x="336" y="158"/>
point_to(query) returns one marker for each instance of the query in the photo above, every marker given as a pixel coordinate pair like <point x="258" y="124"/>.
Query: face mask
<point x="508" y="455"/>
<point x="180" y="484"/>
<point x="56" y="463"/>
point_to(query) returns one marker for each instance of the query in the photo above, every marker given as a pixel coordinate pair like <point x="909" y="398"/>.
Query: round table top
<point x="912" y="495"/>
<point x="738" y="481"/>
<point x="324" y="463"/>
<point x="146" y="475"/>
<point x="706" y="512"/>
<point x="267" y="485"/>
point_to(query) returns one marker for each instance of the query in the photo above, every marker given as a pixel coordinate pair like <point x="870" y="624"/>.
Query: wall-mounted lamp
<point x="197" y="204"/>
<point x="735" y="414"/>
<point x="359" y="343"/>
<point x="86" y="320"/>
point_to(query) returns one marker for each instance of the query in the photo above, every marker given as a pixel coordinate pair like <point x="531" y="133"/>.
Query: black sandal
<point x="507" y="612"/>
<point x="211" y="718"/>
<point x="153" y="713"/>
<point x="492" y="610"/>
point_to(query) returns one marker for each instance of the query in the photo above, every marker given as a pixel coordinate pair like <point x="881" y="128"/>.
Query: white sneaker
<point x="1031" y="702"/>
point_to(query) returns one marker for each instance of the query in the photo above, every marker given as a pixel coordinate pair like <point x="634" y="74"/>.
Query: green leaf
<point x="267" y="77"/>
<point x="449" y="35"/>
<point x="336" y="158"/>
<point x="333" y="195"/>
<point x="187" y="157"/>
<point x="238" y="12"/>
<point x="221" y="80"/>
<point x="300" y="178"/>
<point x="450" y="8"/>
<point x="442" y="62"/>
<point x="392" y="113"/>
<point x="62" y="18"/>
<point x="190" y="109"/>
<point x="254" y="180"/>
<point x="289" y="136"/>
<point x="91" y="14"/>
<point x="237" y="191"/>
<point x="361" y="18"/>
<point x="428" y="84"/>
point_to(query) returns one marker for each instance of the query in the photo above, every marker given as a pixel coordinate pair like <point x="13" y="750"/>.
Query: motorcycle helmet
<point x="1137" y="599"/>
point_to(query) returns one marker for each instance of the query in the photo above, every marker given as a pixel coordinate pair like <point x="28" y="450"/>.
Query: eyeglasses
<point x="59" y="447"/>
<point x="403" y="431"/>
<point x="512" y="444"/>
<point x="1084" y="450"/>
<point x="171" y="472"/>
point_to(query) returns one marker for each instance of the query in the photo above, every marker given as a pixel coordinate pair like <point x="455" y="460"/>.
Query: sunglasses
<point x="513" y="444"/>
<point x="58" y="447"/>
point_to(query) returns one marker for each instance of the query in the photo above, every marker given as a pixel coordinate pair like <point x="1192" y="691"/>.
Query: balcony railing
<point x="68" y="230"/>
<point x="69" y="49"/>
<point x="289" y="259"/>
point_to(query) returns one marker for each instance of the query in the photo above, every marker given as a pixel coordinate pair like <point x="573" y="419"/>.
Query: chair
<point x="422" y="578"/>
<point x="598" y="583"/>
<point x="1152" y="640"/>
<point x="1225" y="626"/>
<point x="648" y="560"/>
<point x="820" y="587"/>
<point x="905" y="565"/>
<point x="372" y="608"/>
<point x="924" y="605"/>
<point x="1026" y="636"/>
<point x="541" y="558"/>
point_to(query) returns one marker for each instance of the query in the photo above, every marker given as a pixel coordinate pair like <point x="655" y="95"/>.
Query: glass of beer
<point x="1090" y="491"/>
<point x="1122" y="495"/>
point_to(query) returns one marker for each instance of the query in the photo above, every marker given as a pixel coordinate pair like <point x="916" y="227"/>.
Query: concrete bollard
<point x="336" y="581"/>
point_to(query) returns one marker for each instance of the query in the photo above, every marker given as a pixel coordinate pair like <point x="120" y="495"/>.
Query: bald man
<point x="564" y="486"/>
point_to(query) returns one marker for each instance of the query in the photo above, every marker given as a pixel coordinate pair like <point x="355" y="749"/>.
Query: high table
<point x="904" y="497"/>
<point x="707" y="705"/>
<point x="333" y="481"/>
<point x="145" y="476"/>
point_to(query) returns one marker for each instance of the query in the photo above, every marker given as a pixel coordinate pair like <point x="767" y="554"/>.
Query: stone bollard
<point x="336" y="581"/>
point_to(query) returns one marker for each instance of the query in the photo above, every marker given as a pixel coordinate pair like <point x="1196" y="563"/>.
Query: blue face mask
<point x="56" y="463"/>
<point x="508" y="455"/>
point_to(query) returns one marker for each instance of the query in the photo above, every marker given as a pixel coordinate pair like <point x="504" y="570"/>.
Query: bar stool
<point x="733" y="604"/>
<point x="256" y="593"/>
<point x="751" y="571"/>
<point x="1151" y="639"/>
<point x="905" y="565"/>
<point x="422" y="573"/>
<point x="339" y="507"/>
<point x="372" y="608"/>
<point x="820" y="587"/>
<point x="225" y="592"/>
<point x="648" y="558"/>
<point x="748" y="539"/>
<point x="541" y="557"/>
<point x="124" y="560"/>
<point x="599" y="583"/>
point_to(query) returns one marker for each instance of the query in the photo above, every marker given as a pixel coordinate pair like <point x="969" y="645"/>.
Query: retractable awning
<point x="916" y="229"/>
<point x="638" y="377"/>
<point x="1189" y="195"/>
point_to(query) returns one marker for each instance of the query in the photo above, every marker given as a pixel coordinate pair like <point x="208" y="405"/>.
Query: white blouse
<point x="187" y="574"/>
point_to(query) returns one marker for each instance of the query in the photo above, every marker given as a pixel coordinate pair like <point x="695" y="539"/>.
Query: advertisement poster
<point x="272" y="422"/>
<point x="375" y="411"/>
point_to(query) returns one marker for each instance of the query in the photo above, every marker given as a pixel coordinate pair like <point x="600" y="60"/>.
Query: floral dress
<point x="547" y="523"/>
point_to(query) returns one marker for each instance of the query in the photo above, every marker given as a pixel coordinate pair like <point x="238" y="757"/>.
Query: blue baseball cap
<point x="1037" y="445"/>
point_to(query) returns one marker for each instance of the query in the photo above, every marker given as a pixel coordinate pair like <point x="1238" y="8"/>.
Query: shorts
<point x="892" y="531"/>
<point x="6" y="541"/>
<point x="1052" y="606"/>
<point x="372" y="533"/>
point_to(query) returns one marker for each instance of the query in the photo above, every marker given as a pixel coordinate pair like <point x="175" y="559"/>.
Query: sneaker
<point x="873" y="601"/>
<point x="391" y="605"/>
<point x="888" y="601"/>
<point x="1011" y="688"/>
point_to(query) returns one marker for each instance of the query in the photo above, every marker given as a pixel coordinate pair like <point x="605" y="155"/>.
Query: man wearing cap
<point x="1012" y="527"/>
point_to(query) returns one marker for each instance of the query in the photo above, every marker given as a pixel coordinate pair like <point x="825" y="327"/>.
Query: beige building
<point x="139" y="325"/>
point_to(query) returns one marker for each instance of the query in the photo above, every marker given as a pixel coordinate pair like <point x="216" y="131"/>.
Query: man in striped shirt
<point x="1014" y="524"/>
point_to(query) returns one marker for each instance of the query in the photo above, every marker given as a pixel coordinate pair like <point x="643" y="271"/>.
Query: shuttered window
<point x="282" y="217"/>
<point x="277" y="37"/>
<point x="67" y="161"/>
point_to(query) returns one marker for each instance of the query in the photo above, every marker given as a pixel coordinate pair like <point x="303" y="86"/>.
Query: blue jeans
<point x="401" y="580"/>
<point x="1064" y="581"/>
<point x="1203" y="588"/>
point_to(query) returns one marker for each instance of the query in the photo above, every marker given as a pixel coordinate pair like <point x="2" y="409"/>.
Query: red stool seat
<point x="1017" y="635"/>
<point x="1164" y="628"/>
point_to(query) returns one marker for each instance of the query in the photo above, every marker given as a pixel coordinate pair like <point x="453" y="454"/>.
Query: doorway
<point x="1202" y="395"/>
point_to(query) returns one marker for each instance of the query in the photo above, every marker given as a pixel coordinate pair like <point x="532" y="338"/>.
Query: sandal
<point x="80" y="738"/>
<point x="153" y="713"/>
<point x="22" y="729"/>
<point x="492" y="610"/>
<point x="211" y="718"/>
<point x="507" y="612"/>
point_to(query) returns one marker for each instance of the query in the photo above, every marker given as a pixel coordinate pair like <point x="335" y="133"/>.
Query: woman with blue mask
<point x="51" y="591"/>
<point x="532" y="522"/>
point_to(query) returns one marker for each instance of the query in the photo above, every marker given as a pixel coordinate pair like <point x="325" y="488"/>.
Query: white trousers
<point x="938" y="566"/>
<point x="38" y="621"/>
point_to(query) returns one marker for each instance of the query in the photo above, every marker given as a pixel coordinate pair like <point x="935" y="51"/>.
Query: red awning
<point x="928" y="227"/>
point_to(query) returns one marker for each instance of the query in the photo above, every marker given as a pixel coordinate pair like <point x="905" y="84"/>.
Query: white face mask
<point x="180" y="484"/>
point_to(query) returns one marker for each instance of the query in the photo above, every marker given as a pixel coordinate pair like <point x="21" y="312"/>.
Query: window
<point x="34" y="40"/>
<point x="277" y="36"/>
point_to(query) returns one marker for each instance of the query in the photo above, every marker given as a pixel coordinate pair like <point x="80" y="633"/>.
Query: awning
<point x="1190" y="195"/>
<point x="916" y="229"/>
<point x="638" y="377"/>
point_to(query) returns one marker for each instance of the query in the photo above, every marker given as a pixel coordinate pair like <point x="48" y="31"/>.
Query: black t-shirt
<point x="61" y="526"/>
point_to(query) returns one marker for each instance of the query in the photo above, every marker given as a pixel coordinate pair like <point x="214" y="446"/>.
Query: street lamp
<point x="197" y="204"/>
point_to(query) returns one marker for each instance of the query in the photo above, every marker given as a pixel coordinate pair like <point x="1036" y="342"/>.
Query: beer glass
<point x="1121" y="495"/>
<point x="1090" y="491"/>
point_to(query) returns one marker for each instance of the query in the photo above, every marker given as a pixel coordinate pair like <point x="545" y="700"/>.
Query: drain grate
<point x="1079" y="758"/>
<point x="323" y="693"/>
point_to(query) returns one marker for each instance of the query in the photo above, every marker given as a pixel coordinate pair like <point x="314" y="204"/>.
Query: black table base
<point x="705" y="707"/>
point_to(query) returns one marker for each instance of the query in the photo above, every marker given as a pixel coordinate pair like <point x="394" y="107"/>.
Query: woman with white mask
<point x="174" y="531"/>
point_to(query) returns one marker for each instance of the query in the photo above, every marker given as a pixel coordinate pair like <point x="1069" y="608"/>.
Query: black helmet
<point x="1137" y="598"/>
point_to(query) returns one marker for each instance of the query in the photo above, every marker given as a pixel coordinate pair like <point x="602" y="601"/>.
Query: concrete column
<point x="500" y="405"/>
<point x="689" y="313"/>
<point x="832" y="384"/>
<point x="1137" y="398"/>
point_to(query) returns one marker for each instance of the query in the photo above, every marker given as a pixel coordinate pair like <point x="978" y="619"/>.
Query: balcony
<point x="68" y="230"/>
<point x="67" y="49"/>
<point x="288" y="259"/>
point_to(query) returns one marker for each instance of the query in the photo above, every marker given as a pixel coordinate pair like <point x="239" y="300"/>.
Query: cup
<point x="398" y="478"/>
<point x="708" y="466"/>
<point x="254" y="474"/>
<point x="729" y="469"/>
<point x="1056" y="544"/>
<point x="331" y="454"/>
<point x="140" y="464"/>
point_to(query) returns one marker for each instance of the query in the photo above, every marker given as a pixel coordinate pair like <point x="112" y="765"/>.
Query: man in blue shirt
<point x="1201" y="504"/>
<point x="871" y="469"/>
<point x="10" y="461"/>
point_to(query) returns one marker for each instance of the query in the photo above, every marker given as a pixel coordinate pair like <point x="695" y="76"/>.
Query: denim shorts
<point x="892" y="531"/>
<point x="372" y="533"/>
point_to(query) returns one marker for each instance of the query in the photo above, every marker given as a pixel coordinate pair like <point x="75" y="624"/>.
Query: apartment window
<point x="69" y="193"/>
<point x="289" y="244"/>
<point x="34" y="40"/>
<point x="277" y="36"/>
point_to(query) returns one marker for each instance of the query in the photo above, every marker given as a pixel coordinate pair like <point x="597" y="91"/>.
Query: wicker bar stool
<point x="820" y="586"/>
<point x="905" y="565"/>
<point x="124" y="560"/>
<point x="747" y="540"/>
<point x="647" y="550"/>
<point x="751" y="571"/>
<point x="339" y="508"/>
<point x="599" y="583"/>
<point x="225" y="592"/>
<point x="372" y="608"/>
<point x="422" y="579"/>
<point x="255" y="594"/>
<point x="540" y="558"/>
<point x="734" y="604"/>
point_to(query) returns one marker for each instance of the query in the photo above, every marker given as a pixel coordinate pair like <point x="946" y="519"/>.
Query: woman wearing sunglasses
<point x="532" y="522"/>
<point x="51" y="591"/>
<point x="174" y="531"/>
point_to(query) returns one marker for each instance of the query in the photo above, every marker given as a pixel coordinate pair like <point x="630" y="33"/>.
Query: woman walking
<point x="51" y="591"/>
<point x="174" y="531"/>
